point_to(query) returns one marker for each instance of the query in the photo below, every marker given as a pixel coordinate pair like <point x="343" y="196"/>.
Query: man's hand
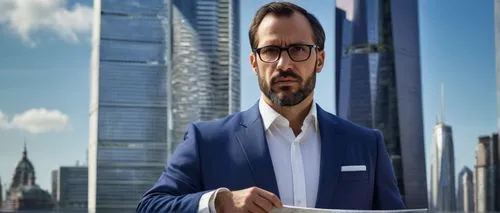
<point x="252" y="199"/>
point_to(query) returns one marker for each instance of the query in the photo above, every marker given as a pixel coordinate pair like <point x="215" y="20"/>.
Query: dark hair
<point x="286" y="9"/>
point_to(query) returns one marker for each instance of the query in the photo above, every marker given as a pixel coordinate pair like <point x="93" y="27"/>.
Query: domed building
<point x="24" y="193"/>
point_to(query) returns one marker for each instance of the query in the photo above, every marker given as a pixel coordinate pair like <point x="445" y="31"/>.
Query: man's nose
<point x="285" y="62"/>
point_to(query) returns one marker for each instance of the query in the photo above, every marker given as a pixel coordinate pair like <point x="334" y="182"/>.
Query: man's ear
<point x="253" y="62"/>
<point x="320" y="61"/>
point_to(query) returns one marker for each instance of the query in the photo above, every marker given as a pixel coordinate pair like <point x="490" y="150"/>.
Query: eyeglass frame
<point x="287" y="49"/>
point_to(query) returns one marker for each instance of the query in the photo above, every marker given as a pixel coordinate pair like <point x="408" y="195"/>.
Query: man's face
<point x="286" y="82"/>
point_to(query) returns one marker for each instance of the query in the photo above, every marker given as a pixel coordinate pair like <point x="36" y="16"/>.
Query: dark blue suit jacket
<point x="233" y="153"/>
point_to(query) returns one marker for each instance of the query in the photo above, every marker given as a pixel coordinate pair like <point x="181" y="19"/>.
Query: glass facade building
<point x="54" y="184"/>
<point x="443" y="197"/>
<point x="129" y="107"/>
<point x="378" y="83"/>
<point x="442" y="170"/>
<point x="206" y="64"/>
<point x="72" y="189"/>
<point x="156" y="65"/>
<point x="487" y="189"/>
<point x="482" y="189"/>
<point x="465" y="195"/>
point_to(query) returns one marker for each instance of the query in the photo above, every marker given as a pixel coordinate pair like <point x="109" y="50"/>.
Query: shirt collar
<point x="269" y="115"/>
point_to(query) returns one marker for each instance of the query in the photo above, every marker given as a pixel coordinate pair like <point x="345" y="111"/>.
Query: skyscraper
<point x="129" y="107"/>
<point x="442" y="165"/>
<point x="55" y="187"/>
<point x="206" y="64"/>
<point x="72" y="188"/>
<point x="486" y="176"/>
<point x="481" y="185"/>
<point x="378" y="83"/>
<point x="156" y="65"/>
<point x="465" y="197"/>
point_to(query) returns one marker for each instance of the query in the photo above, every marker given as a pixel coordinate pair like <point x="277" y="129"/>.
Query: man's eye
<point x="269" y="51"/>
<point x="298" y="49"/>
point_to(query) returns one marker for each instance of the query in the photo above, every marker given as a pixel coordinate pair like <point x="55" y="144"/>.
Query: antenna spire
<point x="441" y="111"/>
<point x="25" y="151"/>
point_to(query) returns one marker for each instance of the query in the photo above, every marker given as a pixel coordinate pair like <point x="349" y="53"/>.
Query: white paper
<point x="294" y="209"/>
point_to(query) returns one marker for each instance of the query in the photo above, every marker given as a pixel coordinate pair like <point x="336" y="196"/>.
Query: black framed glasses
<point x="296" y="52"/>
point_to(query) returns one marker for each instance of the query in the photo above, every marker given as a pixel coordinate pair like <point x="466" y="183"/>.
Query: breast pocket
<point x="353" y="190"/>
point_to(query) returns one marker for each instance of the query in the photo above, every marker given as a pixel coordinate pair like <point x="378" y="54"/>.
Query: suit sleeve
<point x="179" y="187"/>
<point x="386" y="192"/>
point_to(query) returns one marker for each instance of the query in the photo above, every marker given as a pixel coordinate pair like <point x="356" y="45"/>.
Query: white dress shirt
<point x="296" y="159"/>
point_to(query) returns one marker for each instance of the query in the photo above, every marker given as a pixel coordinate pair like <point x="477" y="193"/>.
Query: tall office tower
<point x="487" y="178"/>
<point x="129" y="107"/>
<point x="343" y="29"/>
<point x="72" y="189"/>
<point x="442" y="166"/>
<point x="465" y="197"/>
<point x="378" y="83"/>
<point x="206" y="64"/>
<point x="55" y="188"/>
<point x="481" y="185"/>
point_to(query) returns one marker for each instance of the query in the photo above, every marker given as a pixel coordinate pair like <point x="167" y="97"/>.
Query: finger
<point x="263" y="203"/>
<point x="253" y="208"/>
<point x="271" y="197"/>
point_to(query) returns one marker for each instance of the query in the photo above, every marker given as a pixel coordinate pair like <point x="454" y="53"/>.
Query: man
<point x="285" y="150"/>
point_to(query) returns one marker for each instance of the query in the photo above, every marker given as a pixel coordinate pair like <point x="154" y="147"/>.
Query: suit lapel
<point x="332" y="154"/>
<point x="252" y="139"/>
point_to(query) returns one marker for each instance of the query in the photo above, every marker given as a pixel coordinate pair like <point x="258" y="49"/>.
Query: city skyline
<point x="54" y="53"/>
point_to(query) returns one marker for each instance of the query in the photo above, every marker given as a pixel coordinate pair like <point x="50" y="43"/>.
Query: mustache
<point x="285" y="74"/>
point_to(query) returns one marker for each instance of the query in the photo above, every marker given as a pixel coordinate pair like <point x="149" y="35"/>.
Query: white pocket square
<point x="353" y="168"/>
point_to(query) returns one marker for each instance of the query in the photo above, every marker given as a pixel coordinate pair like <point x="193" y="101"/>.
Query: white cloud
<point x="25" y="17"/>
<point x="36" y="121"/>
<point x="4" y="122"/>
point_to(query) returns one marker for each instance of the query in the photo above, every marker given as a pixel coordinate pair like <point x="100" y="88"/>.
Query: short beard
<point x="280" y="99"/>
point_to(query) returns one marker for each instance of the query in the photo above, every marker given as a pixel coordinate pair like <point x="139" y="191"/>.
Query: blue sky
<point x="44" y="68"/>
